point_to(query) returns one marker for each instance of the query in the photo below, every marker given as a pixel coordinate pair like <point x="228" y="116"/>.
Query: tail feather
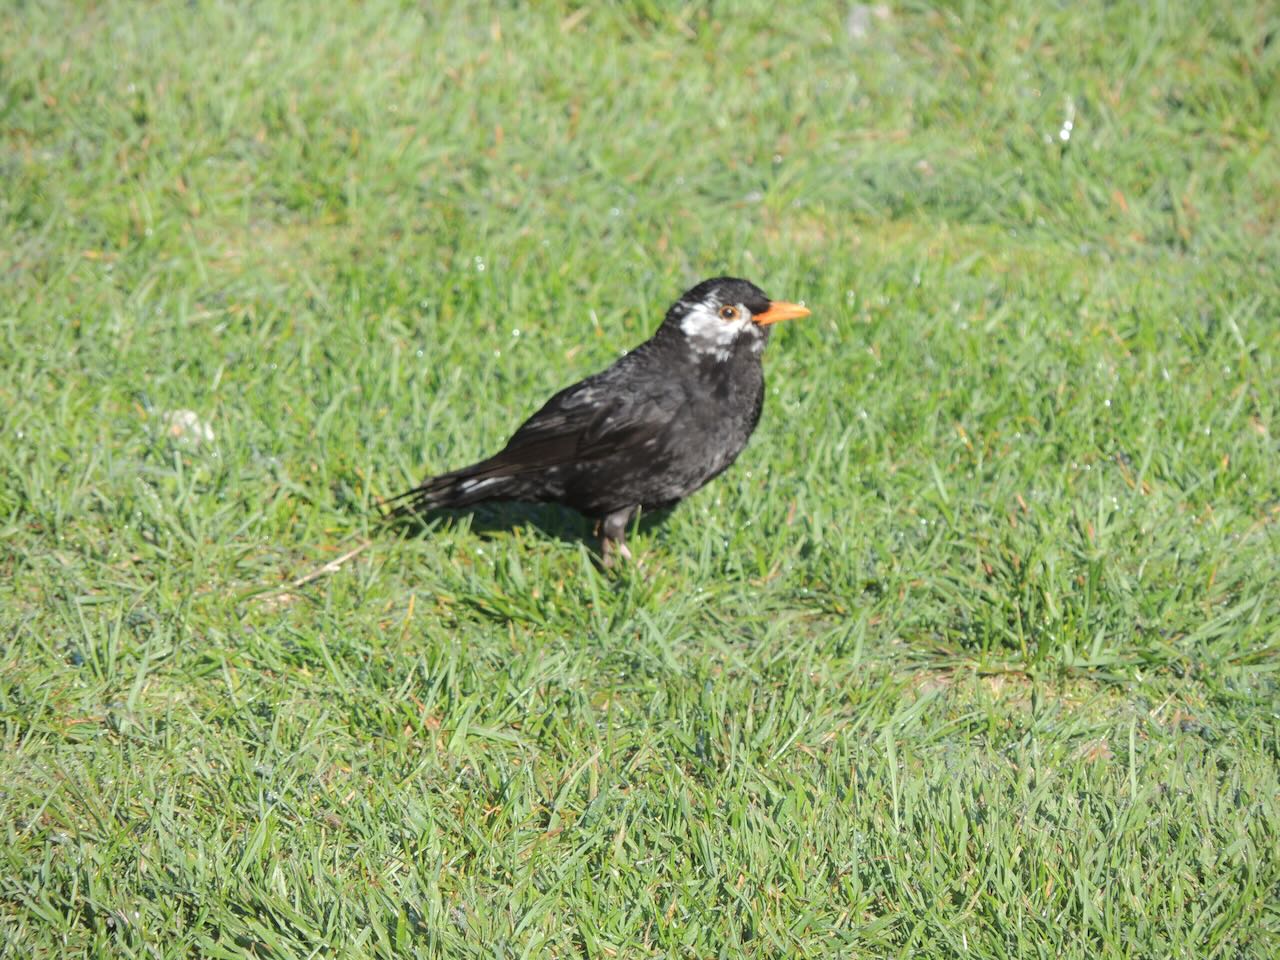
<point x="461" y="488"/>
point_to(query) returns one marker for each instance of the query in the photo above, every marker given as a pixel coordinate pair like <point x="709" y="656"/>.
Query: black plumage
<point x="644" y="433"/>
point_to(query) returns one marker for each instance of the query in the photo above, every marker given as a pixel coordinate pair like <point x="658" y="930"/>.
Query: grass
<point x="972" y="654"/>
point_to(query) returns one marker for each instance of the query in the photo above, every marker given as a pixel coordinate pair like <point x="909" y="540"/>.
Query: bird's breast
<point x="726" y="407"/>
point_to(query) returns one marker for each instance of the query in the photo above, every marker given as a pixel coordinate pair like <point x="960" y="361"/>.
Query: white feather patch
<point x="709" y="333"/>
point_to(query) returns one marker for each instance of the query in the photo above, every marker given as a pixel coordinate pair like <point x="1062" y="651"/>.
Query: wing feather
<point x="586" y="423"/>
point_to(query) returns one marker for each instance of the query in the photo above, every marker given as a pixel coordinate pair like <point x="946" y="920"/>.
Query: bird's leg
<point x="613" y="535"/>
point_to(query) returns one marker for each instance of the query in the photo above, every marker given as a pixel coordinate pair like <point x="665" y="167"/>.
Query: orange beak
<point x="780" y="310"/>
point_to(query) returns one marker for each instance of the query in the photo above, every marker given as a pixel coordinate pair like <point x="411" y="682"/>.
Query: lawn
<point x="972" y="654"/>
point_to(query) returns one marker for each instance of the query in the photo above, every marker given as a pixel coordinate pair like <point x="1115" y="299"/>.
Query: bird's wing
<point x="586" y="422"/>
<point x="590" y="421"/>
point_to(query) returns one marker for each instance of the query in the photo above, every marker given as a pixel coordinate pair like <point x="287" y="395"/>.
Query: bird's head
<point x="725" y="314"/>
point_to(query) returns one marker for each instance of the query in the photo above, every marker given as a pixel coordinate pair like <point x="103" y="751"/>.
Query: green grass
<point x="972" y="654"/>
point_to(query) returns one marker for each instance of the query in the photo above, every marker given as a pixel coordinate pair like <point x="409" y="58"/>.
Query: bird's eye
<point x="728" y="313"/>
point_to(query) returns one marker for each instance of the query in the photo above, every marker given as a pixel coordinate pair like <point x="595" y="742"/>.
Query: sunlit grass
<point x="971" y="654"/>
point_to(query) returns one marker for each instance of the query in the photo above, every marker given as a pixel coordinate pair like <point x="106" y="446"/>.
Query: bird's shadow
<point x="491" y="520"/>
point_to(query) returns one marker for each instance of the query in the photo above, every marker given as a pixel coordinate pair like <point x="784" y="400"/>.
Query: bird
<point x="644" y="433"/>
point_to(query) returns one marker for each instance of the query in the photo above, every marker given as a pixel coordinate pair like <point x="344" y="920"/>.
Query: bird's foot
<point x="611" y="549"/>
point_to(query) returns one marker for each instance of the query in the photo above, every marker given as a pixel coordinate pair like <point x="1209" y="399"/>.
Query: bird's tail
<point x="461" y="488"/>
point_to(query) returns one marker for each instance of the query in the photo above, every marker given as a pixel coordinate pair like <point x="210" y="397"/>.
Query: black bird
<point x="644" y="433"/>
